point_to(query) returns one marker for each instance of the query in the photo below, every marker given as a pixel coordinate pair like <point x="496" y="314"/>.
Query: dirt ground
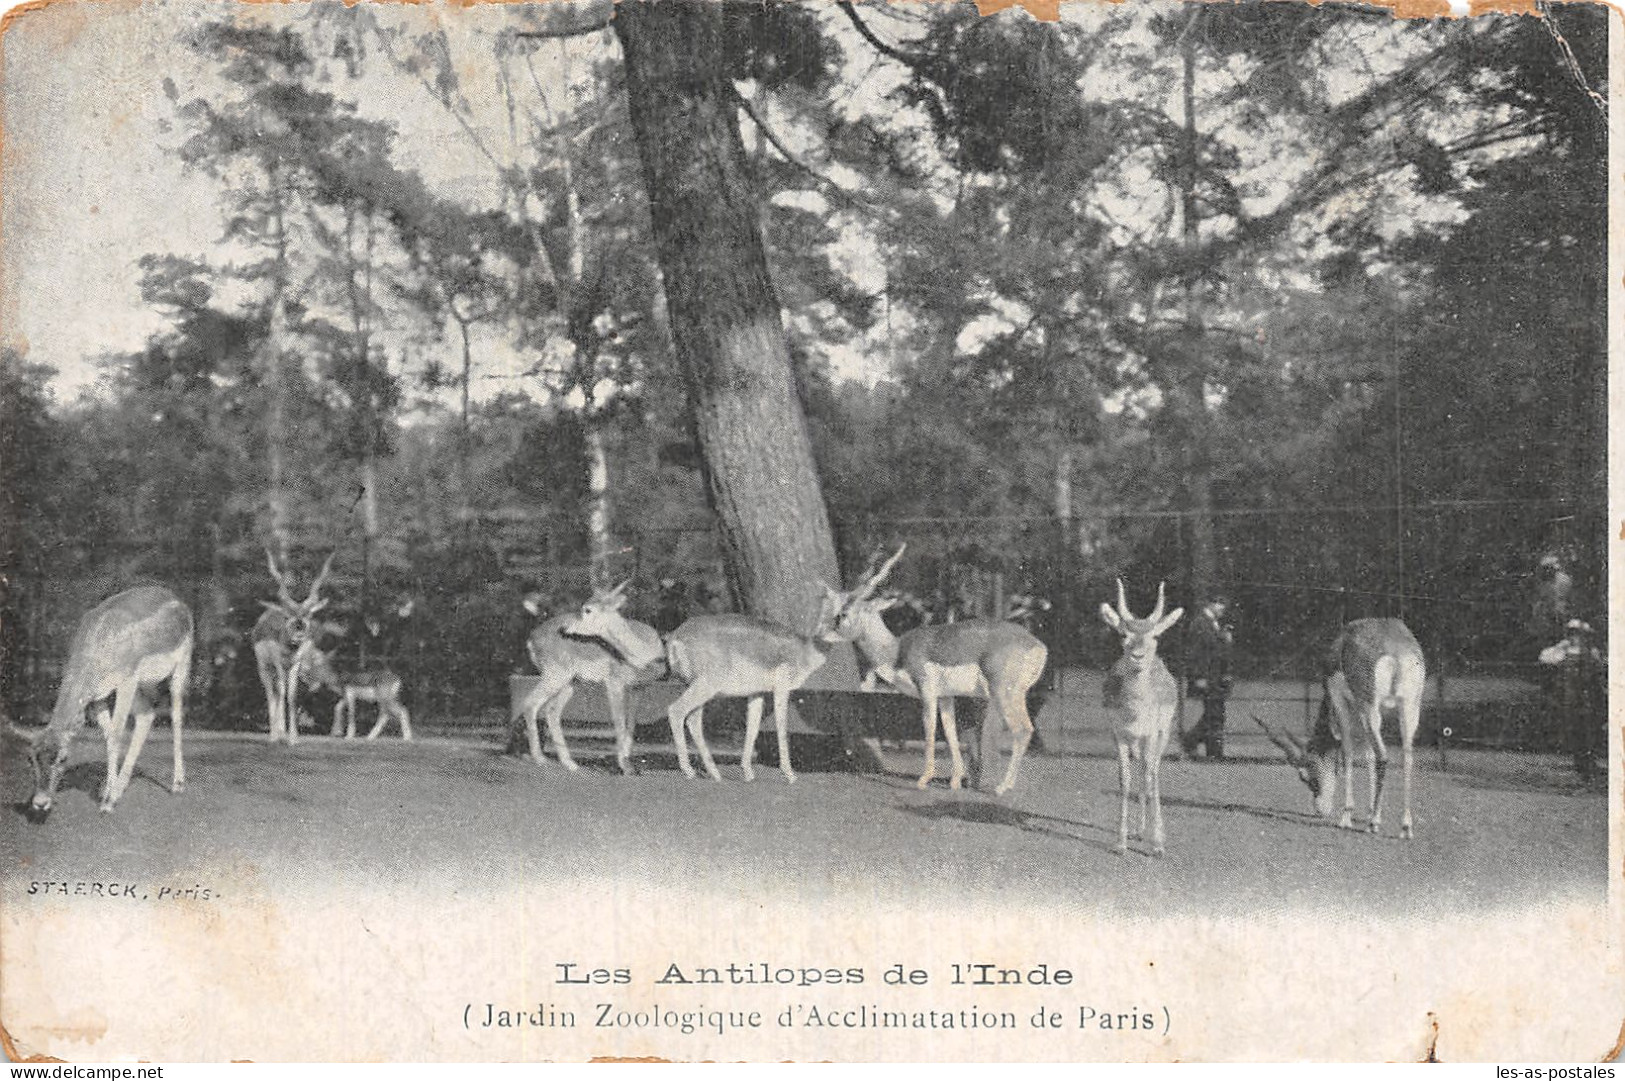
<point x="1492" y="828"/>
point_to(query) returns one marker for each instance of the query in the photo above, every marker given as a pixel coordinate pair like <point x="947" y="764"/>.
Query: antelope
<point x="723" y="655"/>
<point x="277" y="636"/>
<point x="1373" y="665"/>
<point x="562" y="656"/>
<point x="1140" y="696"/>
<point x="373" y="683"/>
<point x="978" y="658"/>
<point x="123" y="650"/>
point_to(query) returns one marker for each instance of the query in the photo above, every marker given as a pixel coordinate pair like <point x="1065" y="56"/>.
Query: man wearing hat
<point x="1210" y="642"/>
<point x="1580" y="682"/>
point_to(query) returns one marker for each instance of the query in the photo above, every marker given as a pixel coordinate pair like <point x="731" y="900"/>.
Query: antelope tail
<point x="1385" y="681"/>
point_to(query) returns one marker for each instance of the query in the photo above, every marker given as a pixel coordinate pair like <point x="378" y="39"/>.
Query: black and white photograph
<point x="808" y="530"/>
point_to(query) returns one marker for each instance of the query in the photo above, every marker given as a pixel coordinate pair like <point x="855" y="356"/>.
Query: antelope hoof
<point x="956" y="783"/>
<point x="1405" y="833"/>
<point x="789" y="778"/>
<point x="1346" y="822"/>
<point x="1157" y="851"/>
<point x="923" y="783"/>
<point x="570" y="767"/>
<point x="750" y="774"/>
<point x="106" y="807"/>
<point x="37" y="814"/>
<point x="1003" y="788"/>
<point x="177" y="787"/>
<point x="1122" y="848"/>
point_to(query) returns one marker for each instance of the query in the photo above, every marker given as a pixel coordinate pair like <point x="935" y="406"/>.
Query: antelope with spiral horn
<point x="1140" y="696"/>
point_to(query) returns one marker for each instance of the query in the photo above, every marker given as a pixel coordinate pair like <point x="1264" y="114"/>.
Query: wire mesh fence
<point x="1462" y="575"/>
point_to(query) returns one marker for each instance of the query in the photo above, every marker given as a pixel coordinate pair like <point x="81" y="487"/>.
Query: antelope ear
<point x="1113" y="620"/>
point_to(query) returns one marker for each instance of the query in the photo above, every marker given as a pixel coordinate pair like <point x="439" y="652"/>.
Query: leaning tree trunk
<point x="725" y="318"/>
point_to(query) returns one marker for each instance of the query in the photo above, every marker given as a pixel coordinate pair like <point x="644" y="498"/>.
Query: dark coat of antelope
<point x="1141" y="697"/>
<point x="996" y="660"/>
<point x="123" y="652"/>
<point x="1373" y="665"/>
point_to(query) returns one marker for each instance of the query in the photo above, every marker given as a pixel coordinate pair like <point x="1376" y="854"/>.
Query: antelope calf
<point x="996" y="660"/>
<point x="564" y="656"/>
<point x="1373" y="665"/>
<point x="123" y="650"/>
<point x="374" y="683"/>
<point x="1140" y="696"/>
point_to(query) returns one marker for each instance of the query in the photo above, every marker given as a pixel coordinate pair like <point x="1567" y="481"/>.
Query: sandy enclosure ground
<point x="1494" y="829"/>
<point x="389" y="895"/>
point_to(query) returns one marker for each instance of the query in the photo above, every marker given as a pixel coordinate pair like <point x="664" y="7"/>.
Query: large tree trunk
<point x="1190" y="396"/>
<point x="725" y="318"/>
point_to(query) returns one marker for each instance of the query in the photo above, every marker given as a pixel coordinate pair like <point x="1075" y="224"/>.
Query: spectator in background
<point x="1210" y="642"/>
<point x="1552" y="605"/>
<point x="1579" y="697"/>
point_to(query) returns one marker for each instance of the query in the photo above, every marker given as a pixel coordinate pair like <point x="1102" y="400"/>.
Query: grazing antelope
<point x="124" y="650"/>
<point x="281" y="630"/>
<point x="1373" y="665"/>
<point x="1140" y="696"/>
<point x="976" y="658"/>
<point x="373" y="683"/>
<point x="563" y="656"/>
<point x="723" y="655"/>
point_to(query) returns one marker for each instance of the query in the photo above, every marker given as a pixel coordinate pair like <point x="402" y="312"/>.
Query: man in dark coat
<point x="1209" y="644"/>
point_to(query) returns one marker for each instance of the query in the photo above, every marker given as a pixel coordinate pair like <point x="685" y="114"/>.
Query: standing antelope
<point x="1140" y="696"/>
<point x="1373" y="665"/>
<point x="277" y="636"/>
<point x="979" y="658"/>
<point x="723" y="655"/>
<point x="562" y="656"/>
<point x="124" y="649"/>
<point x="373" y="683"/>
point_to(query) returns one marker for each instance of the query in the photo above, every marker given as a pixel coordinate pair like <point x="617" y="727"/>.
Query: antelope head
<point x="850" y="617"/>
<point x="299" y="613"/>
<point x="600" y="617"/>
<point x="1139" y="635"/>
<point x="1316" y="769"/>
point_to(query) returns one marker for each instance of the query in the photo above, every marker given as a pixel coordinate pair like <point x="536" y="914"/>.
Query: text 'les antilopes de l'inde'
<point x="562" y="658"/>
<point x="732" y="656"/>
<point x="1140" y="696"/>
<point x="123" y="652"/>
<point x="976" y="658"/>
<point x="278" y="635"/>
<point x="1373" y="665"/>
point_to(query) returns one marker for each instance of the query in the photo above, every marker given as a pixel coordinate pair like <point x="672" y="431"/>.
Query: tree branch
<point x="913" y="60"/>
<point x="579" y="30"/>
<point x="778" y="144"/>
